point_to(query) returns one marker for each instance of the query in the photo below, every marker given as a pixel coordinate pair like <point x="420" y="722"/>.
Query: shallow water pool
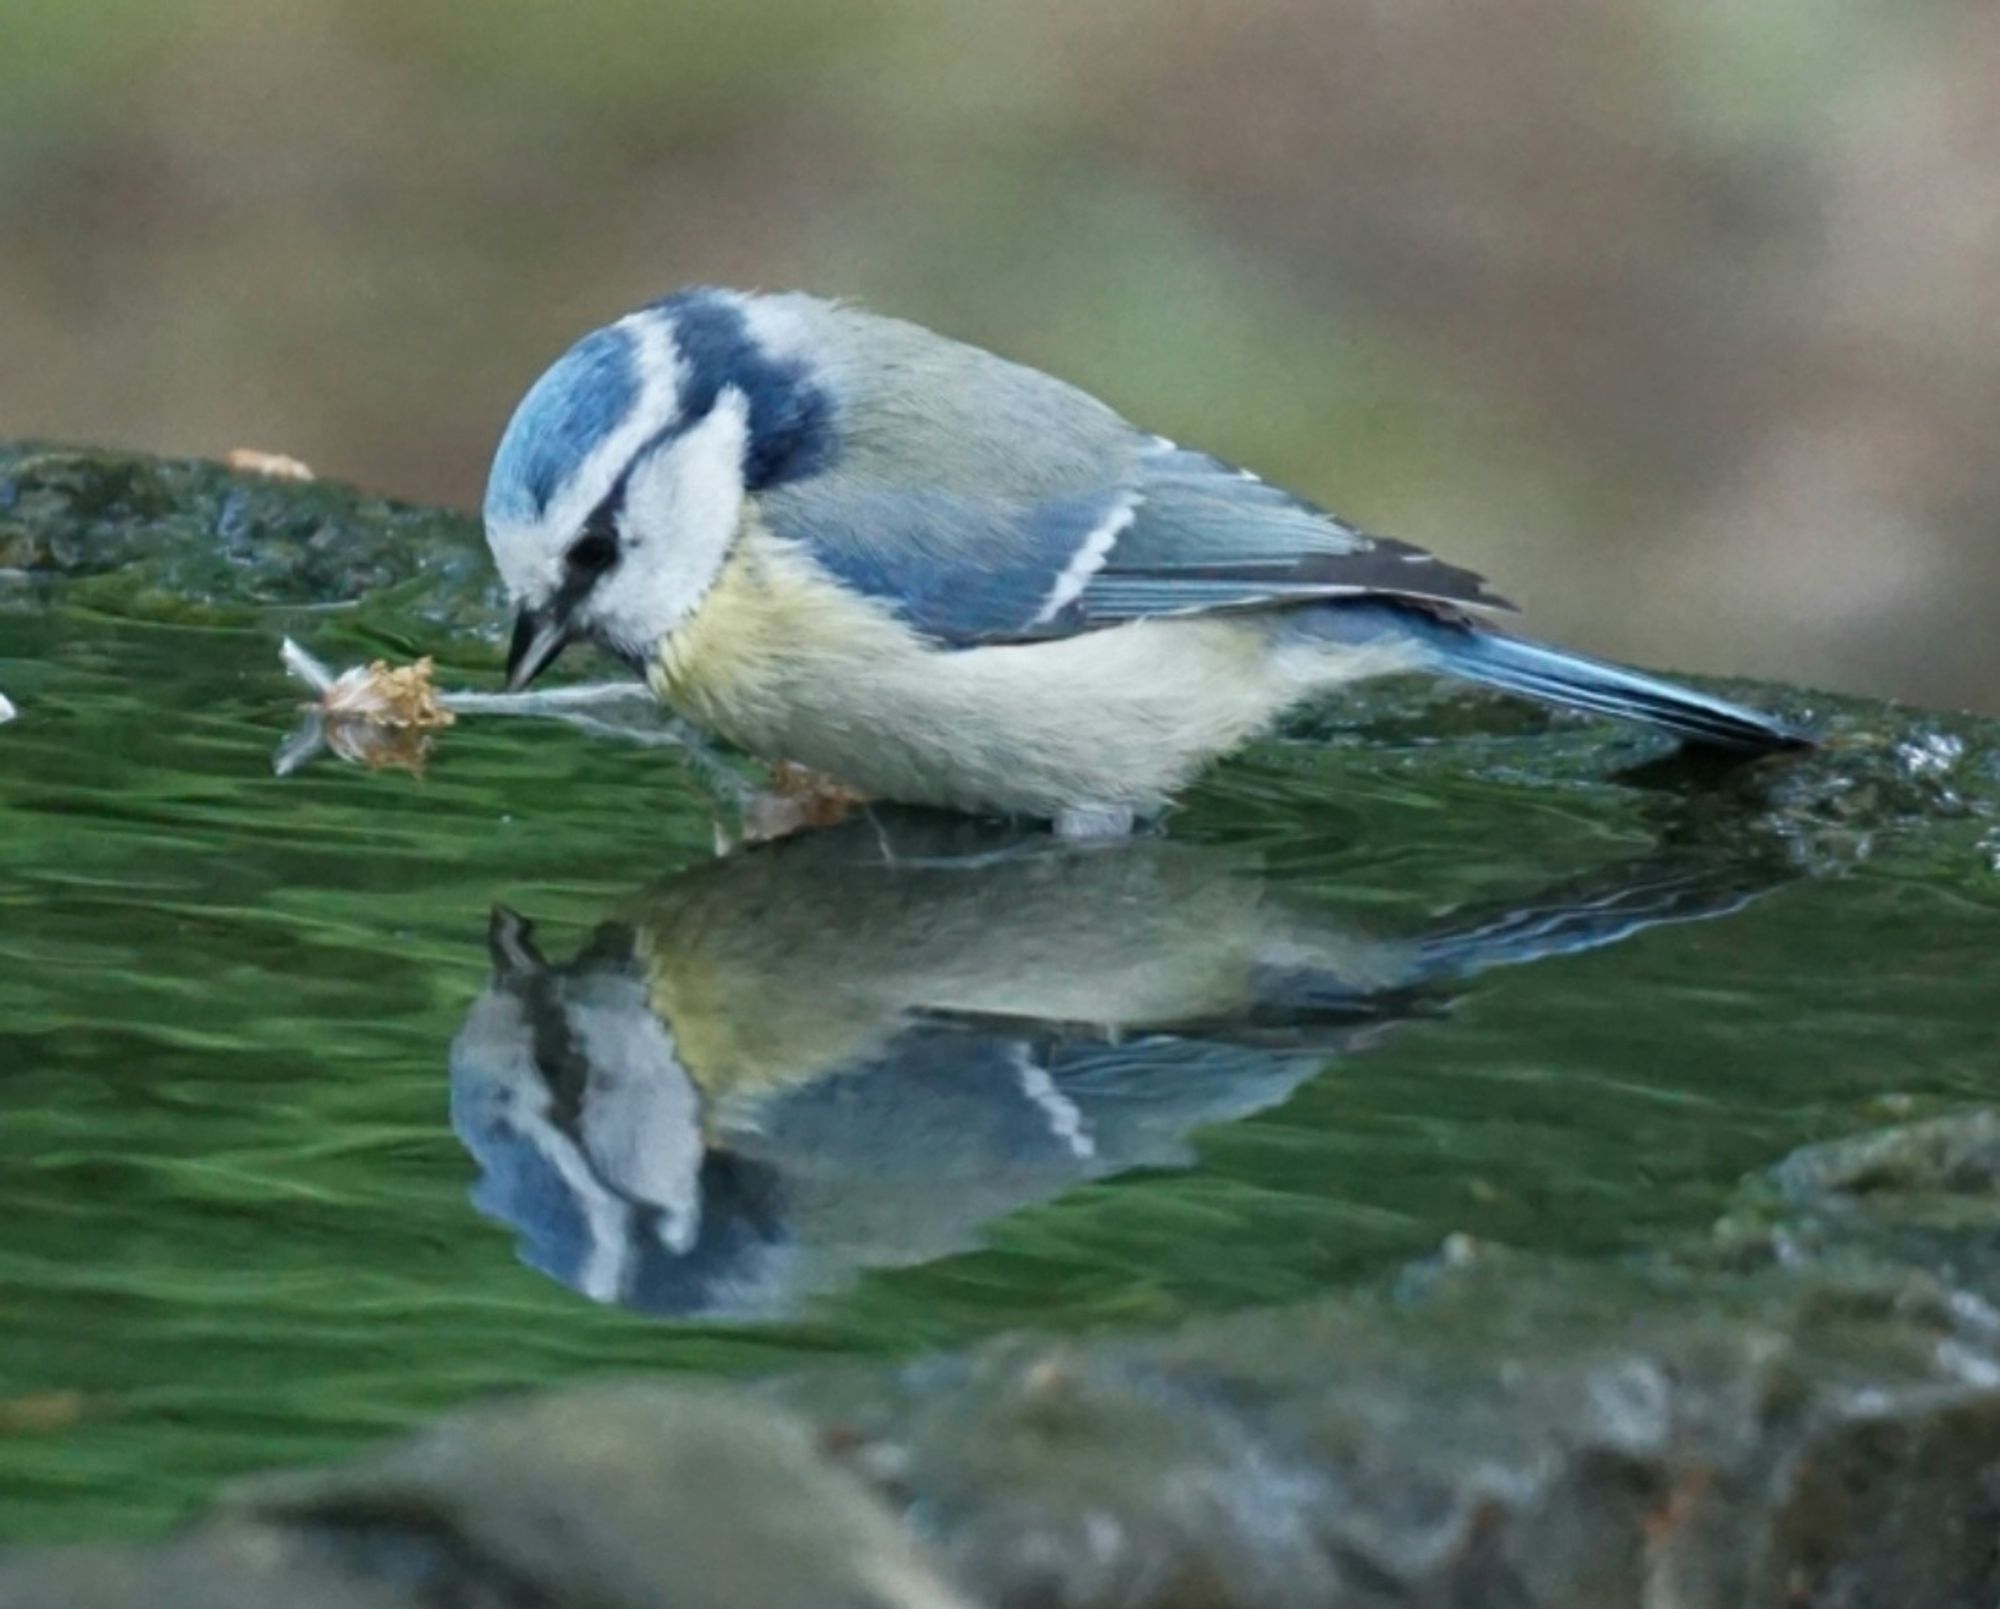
<point x="300" y="1142"/>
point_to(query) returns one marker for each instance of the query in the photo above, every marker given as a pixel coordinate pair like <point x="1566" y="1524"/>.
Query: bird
<point x="855" y="1048"/>
<point x="940" y="577"/>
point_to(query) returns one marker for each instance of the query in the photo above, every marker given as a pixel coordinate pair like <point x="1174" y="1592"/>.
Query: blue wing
<point x="961" y="567"/>
<point x="1205" y="536"/>
<point x="1160" y="531"/>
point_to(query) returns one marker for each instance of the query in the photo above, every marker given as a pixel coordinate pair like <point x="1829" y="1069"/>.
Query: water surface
<point x="298" y="1144"/>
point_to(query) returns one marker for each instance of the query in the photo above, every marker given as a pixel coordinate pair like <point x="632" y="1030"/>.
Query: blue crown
<point x="583" y="397"/>
<point x="592" y="388"/>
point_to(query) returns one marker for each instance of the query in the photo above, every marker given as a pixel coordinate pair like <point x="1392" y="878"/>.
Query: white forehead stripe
<point x="657" y="362"/>
<point x="530" y="554"/>
<point x="1088" y="559"/>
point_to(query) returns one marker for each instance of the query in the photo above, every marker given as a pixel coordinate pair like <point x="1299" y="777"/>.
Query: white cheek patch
<point x="641" y="1119"/>
<point x="682" y="507"/>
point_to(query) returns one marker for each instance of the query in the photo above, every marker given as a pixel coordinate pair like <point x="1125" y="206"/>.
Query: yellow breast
<point x="752" y="1013"/>
<point x="770" y="627"/>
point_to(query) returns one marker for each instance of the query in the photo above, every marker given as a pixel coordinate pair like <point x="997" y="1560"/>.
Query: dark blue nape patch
<point x="582" y="398"/>
<point x="791" y="418"/>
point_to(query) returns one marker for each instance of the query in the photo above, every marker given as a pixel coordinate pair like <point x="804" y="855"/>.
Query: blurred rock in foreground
<point x="1803" y="1409"/>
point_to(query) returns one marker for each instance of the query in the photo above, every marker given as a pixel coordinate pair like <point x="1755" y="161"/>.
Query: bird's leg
<point x="1094" y="824"/>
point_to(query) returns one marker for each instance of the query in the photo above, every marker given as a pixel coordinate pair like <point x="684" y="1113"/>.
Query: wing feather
<point x="1207" y="536"/>
<point x="1067" y="519"/>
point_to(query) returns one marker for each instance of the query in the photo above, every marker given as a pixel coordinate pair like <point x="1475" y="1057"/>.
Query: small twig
<point x="302" y="665"/>
<point x="546" y="700"/>
<point x="377" y="715"/>
<point x="302" y="745"/>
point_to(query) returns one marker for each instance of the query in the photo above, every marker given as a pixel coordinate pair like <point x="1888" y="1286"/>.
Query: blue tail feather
<point x="1576" y="681"/>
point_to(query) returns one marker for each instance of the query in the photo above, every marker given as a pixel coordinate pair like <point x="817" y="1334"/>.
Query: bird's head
<point x="619" y="486"/>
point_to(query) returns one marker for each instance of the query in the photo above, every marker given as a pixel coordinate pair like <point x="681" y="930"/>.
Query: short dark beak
<point x="539" y="636"/>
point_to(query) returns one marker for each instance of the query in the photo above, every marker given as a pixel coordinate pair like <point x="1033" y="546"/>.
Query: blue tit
<point x="850" y="1051"/>
<point x="944" y="578"/>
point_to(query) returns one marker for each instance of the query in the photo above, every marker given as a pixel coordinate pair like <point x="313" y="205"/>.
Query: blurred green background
<point x="1681" y="320"/>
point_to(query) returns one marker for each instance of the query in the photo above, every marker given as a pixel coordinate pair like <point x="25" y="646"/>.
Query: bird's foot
<point x="1095" y="824"/>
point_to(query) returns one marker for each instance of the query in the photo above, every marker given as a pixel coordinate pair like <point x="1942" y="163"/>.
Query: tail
<point x="1575" y="681"/>
<point x="1608" y="908"/>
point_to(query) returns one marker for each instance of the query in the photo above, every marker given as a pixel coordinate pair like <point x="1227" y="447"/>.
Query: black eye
<point x="594" y="552"/>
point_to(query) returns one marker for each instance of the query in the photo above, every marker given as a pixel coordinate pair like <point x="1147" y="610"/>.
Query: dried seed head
<point x="383" y="695"/>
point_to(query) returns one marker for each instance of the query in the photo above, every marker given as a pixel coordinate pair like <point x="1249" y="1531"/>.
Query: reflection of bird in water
<point x="785" y="1066"/>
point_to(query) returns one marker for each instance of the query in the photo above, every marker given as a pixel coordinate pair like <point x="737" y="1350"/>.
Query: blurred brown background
<point x="1681" y="318"/>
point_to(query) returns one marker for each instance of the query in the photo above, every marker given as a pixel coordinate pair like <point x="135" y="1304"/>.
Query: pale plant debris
<point x="386" y="696"/>
<point x="796" y="799"/>
<point x="793" y="799"/>
<point x="272" y="466"/>
<point x="376" y="715"/>
<point x="378" y="693"/>
<point x="383" y="716"/>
